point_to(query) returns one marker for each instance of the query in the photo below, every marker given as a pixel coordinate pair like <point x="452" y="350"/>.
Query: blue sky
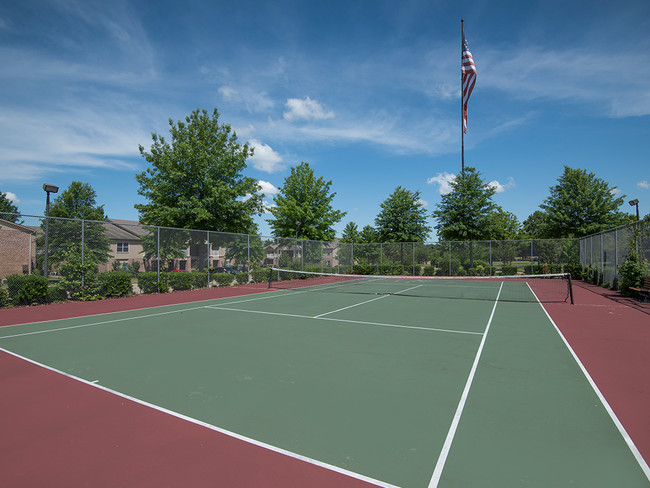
<point x="367" y="92"/>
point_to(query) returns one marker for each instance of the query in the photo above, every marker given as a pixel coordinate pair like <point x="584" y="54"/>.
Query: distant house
<point x="125" y="241"/>
<point x="327" y="254"/>
<point x="127" y="249"/>
<point x="17" y="248"/>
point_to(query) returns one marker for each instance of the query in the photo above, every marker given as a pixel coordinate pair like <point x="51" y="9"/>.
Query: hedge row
<point x="32" y="289"/>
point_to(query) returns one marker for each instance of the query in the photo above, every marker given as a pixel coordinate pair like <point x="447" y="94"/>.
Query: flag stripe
<point x="469" y="78"/>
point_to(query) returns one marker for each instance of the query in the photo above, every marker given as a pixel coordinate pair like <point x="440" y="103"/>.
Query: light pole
<point x="48" y="189"/>
<point x="633" y="203"/>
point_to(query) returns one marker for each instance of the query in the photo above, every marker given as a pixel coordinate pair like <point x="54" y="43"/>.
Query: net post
<point x="270" y="277"/>
<point x="570" y="289"/>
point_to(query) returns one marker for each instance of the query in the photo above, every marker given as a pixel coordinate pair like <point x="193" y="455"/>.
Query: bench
<point x="644" y="290"/>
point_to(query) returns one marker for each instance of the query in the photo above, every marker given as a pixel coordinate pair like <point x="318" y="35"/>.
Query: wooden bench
<point x="644" y="290"/>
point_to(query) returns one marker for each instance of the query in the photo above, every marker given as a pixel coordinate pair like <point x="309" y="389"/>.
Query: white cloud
<point x="644" y="185"/>
<point x="265" y="158"/>
<point x="12" y="197"/>
<point x="443" y="180"/>
<point x="424" y="203"/>
<point x="306" y="109"/>
<point x="228" y="92"/>
<point x="268" y="189"/>
<point x="615" y="191"/>
<point x="500" y="188"/>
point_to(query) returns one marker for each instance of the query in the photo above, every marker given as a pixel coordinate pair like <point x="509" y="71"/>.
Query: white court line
<point x="628" y="440"/>
<point x="350" y="306"/>
<point x="442" y="459"/>
<point x="359" y="322"/>
<point x="249" y="440"/>
<point x="58" y="329"/>
<point x="367" y="301"/>
<point x="123" y="319"/>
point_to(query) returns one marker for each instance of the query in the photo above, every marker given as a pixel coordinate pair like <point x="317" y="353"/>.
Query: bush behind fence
<point x="90" y="259"/>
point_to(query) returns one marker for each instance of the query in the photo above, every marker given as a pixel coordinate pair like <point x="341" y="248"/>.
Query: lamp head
<point x="50" y="188"/>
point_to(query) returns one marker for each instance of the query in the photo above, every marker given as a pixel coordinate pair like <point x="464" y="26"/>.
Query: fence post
<point x="248" y="257"/>
<point x="532" y="266"/>
<point x="449" y="247"/>
<point x="158" y="257"/>
<point x="207" y="258"/>
<point x="490" y="257"/>
<point x="615" y="256"/>
<point x="83" y="241"/>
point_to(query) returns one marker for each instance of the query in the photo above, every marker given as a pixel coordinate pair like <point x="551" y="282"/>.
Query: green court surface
<point x="409" y="391"/>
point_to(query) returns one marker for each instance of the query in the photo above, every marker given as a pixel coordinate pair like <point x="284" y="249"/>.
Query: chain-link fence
<point x="603" y="254"/>
<point x="45" y="260"/>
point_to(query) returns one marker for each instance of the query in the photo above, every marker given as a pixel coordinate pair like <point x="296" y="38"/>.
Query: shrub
<point x="631" y="274"/>
<point x="199" y="279"/>
<point x="363" y="269"/>
<point x="179" y="281"/>
<point x="27" y="289"/>
<point x="56" y="293"/>
<point x="148" y="282"/>
<point x="241" y="278"/>
<point x="429" y="271"/>
<point x="4" y="298"/>
<point x="260" y="275"/>
<point x="223" y="279"/>
<point x="575" y="269"/>
<point x="509" y="270"/>
<point x="114" y="284"/>
<point x="79" y="276"/>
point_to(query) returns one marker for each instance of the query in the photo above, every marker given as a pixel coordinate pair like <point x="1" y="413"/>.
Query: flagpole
<point x="462" y="111"/>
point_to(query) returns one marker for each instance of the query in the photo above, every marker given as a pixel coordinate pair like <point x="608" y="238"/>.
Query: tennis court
<point x="384" y="383"/>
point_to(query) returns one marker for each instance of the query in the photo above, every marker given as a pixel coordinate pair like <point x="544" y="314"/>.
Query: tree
<point x="78" y="201"/>
<point x="303" y="207"/>
<point x="535" y="226"/>
<point x="582" y="204"/>
<point x="7" y="207"/>
<point x="506" y="228"/>
<point x="195" y="181"/>
<point x="465" y="214"/>
<point x="402" y="218"/>
<point x="351" y="233"/>
<point x="369" y="235"/>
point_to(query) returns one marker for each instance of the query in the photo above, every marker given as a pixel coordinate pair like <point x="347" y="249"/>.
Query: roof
<point x="14" y="226"/>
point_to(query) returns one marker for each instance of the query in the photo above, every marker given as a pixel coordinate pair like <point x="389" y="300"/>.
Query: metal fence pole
<point x="158" y="256"/>
<point x="615" y="255"/>
<point x="208" y="257"/>
<point x="83" y="235"/>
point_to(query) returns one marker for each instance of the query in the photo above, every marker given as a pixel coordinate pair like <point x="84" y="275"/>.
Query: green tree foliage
<point x="402" y="218"/>
<point x="466" y="213"/>
<point x="303" y="206"/>
<point x="6" y="206"/>
<point x="581" y="204"/>
<point x="505" y="225"/>
<point x="195" y="181"/>
<point x="78" y="201"/>
<point x="351" y="233"/>
<point x="535" y="226"/>
<point x="369" y="234"/>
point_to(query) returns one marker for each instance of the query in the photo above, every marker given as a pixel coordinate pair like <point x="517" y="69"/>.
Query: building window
<point x="122" y="247"/>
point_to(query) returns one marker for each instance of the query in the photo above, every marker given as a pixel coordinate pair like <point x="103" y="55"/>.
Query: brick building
<point x="17" y="249"/>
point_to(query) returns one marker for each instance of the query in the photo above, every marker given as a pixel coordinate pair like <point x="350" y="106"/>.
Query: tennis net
<point x="519" y="288"/>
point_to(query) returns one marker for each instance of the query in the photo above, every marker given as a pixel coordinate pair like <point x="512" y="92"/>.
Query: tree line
<point x="195" y="181"/>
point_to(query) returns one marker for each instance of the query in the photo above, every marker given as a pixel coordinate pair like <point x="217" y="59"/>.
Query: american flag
<point x="469" y="79"/>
